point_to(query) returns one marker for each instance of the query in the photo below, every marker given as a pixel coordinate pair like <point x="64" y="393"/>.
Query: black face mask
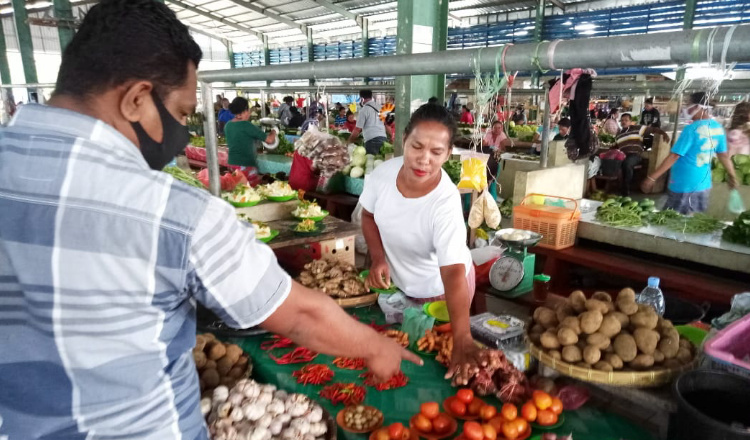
<point x="176" y="138"/>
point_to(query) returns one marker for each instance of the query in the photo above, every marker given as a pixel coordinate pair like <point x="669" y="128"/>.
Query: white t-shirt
<point x="419" y="235"/>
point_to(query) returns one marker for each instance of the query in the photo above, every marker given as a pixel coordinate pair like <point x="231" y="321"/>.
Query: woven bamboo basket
<point x="635" y="379"/>
<point x="358" y="301"/>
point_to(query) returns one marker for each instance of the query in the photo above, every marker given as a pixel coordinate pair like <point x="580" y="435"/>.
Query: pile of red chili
<point x="276" y="341"/>
<point x="299" y="355"/>
<point x="314" y="374"/>
<point x="346" y="393"/>
<point x="397" y="381"/>
<point x="349" y="363"/>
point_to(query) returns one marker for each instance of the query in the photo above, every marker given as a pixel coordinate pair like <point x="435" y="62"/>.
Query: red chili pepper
<point x="276" y="341"/>
<point x="314" y="374"/>
<point x="349" y="363"/>
<point x="397" y="381"/>
<point x="297" y="356"/>
<point x="346" y="393"/>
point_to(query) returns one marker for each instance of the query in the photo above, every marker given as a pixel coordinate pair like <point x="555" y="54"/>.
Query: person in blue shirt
<point x="224" y="116"/>
<point x="690" y="160"/>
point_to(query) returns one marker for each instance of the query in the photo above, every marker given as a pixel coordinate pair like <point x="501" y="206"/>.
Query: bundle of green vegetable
<point x="285" y="147"/>
<point x="741" y="169"/>
<point x="661" y="218"/>
<point x="615" y="214"/>
<point x="387" y="148"/>
<point x="695" y="224"/>
<point x="183" y="176"/>
<point x="739" y="231"/>
<point x="506" y="208"/>
<point x="453" y="168"/>
<point x="198" y="141"/>
<point x="606" y="138"/>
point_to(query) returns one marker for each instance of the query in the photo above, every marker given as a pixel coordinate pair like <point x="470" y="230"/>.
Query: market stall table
<point x="274" y="163"/>
<point x="334" y="228"/>
<point x="426" y="383"/>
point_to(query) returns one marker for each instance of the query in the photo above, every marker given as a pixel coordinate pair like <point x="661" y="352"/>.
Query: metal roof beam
<point x="221" y="20"/>
<point x="266" y="11"/>
<point x="558" y="3"/>
<point x="223" y="40"/>
<point x="339" y="10"/>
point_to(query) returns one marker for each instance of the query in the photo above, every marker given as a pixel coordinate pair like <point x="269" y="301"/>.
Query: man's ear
<point x="134" y="100"/>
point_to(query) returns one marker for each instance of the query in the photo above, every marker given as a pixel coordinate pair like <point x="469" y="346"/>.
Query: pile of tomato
<point x="431" y="421"/>
<point x="542" y="409"/>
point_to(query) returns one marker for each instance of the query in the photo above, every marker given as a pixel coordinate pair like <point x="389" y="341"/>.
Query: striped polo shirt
<point x="630" y="139"/>
<point x="102" y="261"/>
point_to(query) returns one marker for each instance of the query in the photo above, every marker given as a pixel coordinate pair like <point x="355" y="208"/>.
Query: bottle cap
<point x="653" y="282"/>
<point x="542" y="277"/>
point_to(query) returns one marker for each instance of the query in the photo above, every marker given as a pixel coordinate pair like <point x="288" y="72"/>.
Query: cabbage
<point x="360" y="150"/>
<point x="358" y="160"/>
<point x="347" y="169"/>
<point x="718" y="175"/>
<point x="357" y="172"/>
<point x="511" y="124"/>
<point x="377" y="163"/>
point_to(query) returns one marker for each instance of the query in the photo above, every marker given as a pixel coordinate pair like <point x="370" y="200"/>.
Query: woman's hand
<point x="380" y="275"/>
<point x="466" y="360"/>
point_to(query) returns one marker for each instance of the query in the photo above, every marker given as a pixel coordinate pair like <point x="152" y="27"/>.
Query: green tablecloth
<point x="426" y="383"/>
<point x="274" y="163"/>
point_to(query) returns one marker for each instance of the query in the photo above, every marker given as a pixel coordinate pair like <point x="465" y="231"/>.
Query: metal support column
<point x="65" y="30"/>
<point x="25" y="44"/>
<point x="230" y="54"/>
<point x="310" y="51"/>
<point x="687" y="24"/>
<point x="263" y="104"/>
<point x="538" y="32"/>
<point x="209" y="132"/>
<point x="266" y="55"/>
<point x="365" y="42"/>
<point x="545" y="129"/>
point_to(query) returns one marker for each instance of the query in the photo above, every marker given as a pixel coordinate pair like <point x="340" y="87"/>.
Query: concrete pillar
<point x="538" y="31"/>
<point x="6" y="95"/>
<point x="365" y="41"/>
<point x="310" y="50"/>
<point x="230" y="54"/>
<point x="422" y="27"/>
<point x="25" y="43"/>
<point x="687" y="24"/>
<point x="65" y="30"/>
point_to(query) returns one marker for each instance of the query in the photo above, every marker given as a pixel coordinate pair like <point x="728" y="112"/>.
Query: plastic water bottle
<point x="652" y="296"/>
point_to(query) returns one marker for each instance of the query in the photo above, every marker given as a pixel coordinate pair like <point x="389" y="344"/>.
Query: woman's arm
<point x="380" y="276"/>
<point x="271" y="138"/>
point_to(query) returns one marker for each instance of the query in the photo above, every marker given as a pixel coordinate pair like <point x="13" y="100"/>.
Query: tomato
<point x="528" y="411"/>
<point x="509" y="411"/>
<point x="465" y="395"/>
<point x="422" y="423"/>
<point x="546" y="417"/>
<point x="497" y="423"/>
<point x="557" y="406"/>
<point x="474" y="407"/>
<point x="441" y="424"/>
<point x="521" y="426"/>
<point x="457" y="407"/>
<point x="510" y="431"/>
<point x="487" y="412"/>
<point x="396" y="431"/>
<point x="542" y="400"/>
<point x="473" y="431"/>
<point x="430" y="410"/>
<point x="490" y="433"/>
<point x="382" y="434"/>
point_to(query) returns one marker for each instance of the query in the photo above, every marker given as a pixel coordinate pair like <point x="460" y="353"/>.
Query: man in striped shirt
<point x="629" y="140"/>
<point x="103" y="258"/>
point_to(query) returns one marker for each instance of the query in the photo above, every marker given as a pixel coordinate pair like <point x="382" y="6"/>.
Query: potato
<point x="572" y="322"/>
<point x="614" y="360"/>
<point x="549" y="340"/>
<point x="563" y="310"/>
<point x="609" y="349"/>
<point x="684" y="343"/>
<point x="591" y="354"/>
<point x="646" y="308"/>
<point x="642" y="362"/>
<point x="223" y="366"/>
<point x="233" y="352"/>
<point x="210" y="365"/>
<point x="591" y="321"/>
<point x="210" y="378"/>
<point x="537" y="328"/>
<point x="200" y="359"/>
<point x="669" y="347"/>
<point x="684" y="355"/>
<point x="595" y="304"/>
<point x="536" y="338"/>
<point x="623" y="318"/>
<point x="626" y="295"/>
<point x="546" y="317"/>
<point x="227" y="382"/>
<point x="610" y="325"/>
<point x="555" y="354"/>
<point x="566" y="336"/>
<point x="571" y="354"/>
<point x="578" y="301"/>
<point x="216" y="350"/>
<point x="598" y="340"/>
<point x="603" y="366"/>
<point x="610" y="307"/>
<point x="664" y="324"/>
<point x="200" y="342"/>
<point x="658" y="357"/>
<point x="646" y="340"/>
<point x="625" y="347"/>
<point x="645" y="319"/>
<point x="536" y="313"/>
<point x="237" y="372"/>
<point x="243" y="361"/>
<point x="628" y="308"/>
<point x="602" y="296"/>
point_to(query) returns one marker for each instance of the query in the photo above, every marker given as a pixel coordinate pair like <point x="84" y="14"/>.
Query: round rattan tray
<point x="635" y="379"/>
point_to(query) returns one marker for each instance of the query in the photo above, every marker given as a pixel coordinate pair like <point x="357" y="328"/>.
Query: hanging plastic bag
<point x="735" y="205"/>
<point x="416" y="323"/>
<point x="476" y="213"/>
<point x="474" y="171"/>
<point x="491" y="211"/>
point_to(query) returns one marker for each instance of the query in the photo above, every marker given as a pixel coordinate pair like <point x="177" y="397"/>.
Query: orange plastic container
<point x="558" y="225"/>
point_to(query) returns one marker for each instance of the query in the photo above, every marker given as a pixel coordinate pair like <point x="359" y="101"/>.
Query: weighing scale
<point x="512" y="275"/>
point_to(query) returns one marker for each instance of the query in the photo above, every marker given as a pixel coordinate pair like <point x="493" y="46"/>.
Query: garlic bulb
<point x="268" y="388"/>
<point x="253" y="411"/>
<point x="302" y="425"/>
<point x="318" y="429"/>
<point x="308" y="437"/>
<point x="265" y="421"/>
<point x="236" y="398"/>
<point x="315" y="415"/>
<point x="205" y="406"/>
<point x="220" y="394"/>
<point x="291" y="434"/>
<point x="284" y="418"/>
<point x="276" y="426"/>
<point x="237" y="415"/>
<point x="260" y="434"/>
<point x="223" y="410"/>
<point x="276" y="407"/>
<point x="265" y="398"/>
<point x="281" y="395"/>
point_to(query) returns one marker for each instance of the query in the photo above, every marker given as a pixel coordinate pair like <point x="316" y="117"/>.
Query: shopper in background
<point x="369" y="124"/>
<point x="300" y="101"/>
<point x="690" y="160"/>
<point x="563" y="130"/>
<point x="217" y="104"/>
<point x="611" y="126"/>
<point x="297" y="118"/>
<point x="650" y="115"/>
<point x="340" y="117"/>
<point x="390" y="126"/>
<point x="224" y="116"/>
<point x="313" y="118"/>
<point x="242" y="136"/>
<point x="629" y="140"/>
<point x="351" y="122"/>
<point x="285" y="110"/>
<point x="738" y="137"/>
<point x="519" y="117"/>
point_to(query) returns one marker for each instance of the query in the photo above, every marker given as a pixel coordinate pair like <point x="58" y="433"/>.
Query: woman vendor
<point x="241" y="135"/>
<point x="414" y="227"/>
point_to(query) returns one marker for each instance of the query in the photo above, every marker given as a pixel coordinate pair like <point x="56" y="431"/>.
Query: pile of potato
<point x="609" y="335"/>
<point x="219" y="363"/>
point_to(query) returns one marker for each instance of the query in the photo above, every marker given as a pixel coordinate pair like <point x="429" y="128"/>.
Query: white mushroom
<point x="315" y="414"/>
<point x="276" y="407"/>
<point x="205" y="406"/>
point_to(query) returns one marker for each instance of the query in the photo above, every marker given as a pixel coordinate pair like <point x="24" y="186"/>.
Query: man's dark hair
<point x="699" y="98"/>
<point x="127" y="40"/>
<point x="365" y="94"/>
<point x="433" y="113"/>
<point x="463" y="107"/>
<point x="626" y="115"/>
<point x="649" y="101"/>
<point x="433" y="100"/>
<point x="238" y="105"/>
<point x="289" y="100"/>
<point x="349" y="113"/>
<point x="564" y="122"/>
<point x="294" y="110"/>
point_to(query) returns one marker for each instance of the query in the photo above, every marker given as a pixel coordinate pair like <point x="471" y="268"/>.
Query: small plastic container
<point x="558" y="225"/>
<point x="501" y="332"/>
<point x="729" y="350"/>
<point x="541" y="288"/>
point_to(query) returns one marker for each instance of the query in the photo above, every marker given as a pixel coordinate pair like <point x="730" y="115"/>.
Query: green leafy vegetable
<point x="695" y="224"/>
<point x="739" y="231"/>
<point x="183" y="176"/>
<point x="453" y="168"/>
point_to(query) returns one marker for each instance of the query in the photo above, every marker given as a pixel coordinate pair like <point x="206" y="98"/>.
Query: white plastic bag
<point x="360" y="245"/>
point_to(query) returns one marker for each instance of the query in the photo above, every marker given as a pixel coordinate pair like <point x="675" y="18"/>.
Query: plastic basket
<point x="558" y="225"/>
<point x="729" y="350"/>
